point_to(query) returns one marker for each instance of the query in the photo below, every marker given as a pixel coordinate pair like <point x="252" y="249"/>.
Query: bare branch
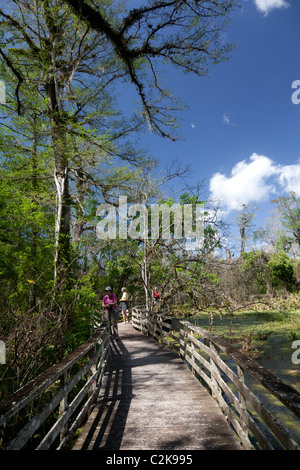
<point x="17" y="74"/>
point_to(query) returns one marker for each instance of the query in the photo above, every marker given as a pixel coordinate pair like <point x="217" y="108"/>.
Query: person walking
<point x="109" y="302"/>
<point x="124" y="305"/>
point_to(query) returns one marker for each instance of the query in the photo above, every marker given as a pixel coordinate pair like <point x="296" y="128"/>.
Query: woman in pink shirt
<point x="109" y="301"/>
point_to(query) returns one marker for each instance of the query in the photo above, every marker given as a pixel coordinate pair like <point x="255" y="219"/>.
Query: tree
<point x="56" y="54"/>
<point x="281" y="271"/>
<point x="59" y="119"/>
<point x="244" y="222"/>
<point x="289" y="210"/>
<point x="27" y="201"/>
<point x="48" y="38"/>
<point x="187" y="35"/>
<point x="148" y="190"/>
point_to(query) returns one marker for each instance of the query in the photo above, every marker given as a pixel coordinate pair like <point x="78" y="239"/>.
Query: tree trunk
<point x="35" y="233"/>
<point x="243" y="237"/>
<point x="145" y="279"/>
<point x="62" y="216"/>
<point x="78" y="224"/>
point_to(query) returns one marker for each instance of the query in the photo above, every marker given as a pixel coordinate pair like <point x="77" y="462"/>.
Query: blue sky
<point x="241" y="131"/>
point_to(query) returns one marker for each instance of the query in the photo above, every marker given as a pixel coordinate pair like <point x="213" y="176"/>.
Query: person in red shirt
<point x="156" y="295"/>
<point x="109" y="303"/>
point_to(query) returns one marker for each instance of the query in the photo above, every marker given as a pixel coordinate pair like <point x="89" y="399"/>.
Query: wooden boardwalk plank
<point x="149" y="400"/>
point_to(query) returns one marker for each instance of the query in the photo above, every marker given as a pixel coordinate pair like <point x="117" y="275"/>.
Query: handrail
<point x="223" y="369"/>
<point x="56" y="420"/>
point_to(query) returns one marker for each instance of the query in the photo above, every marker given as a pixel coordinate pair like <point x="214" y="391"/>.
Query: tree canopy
<point x="66" y="147"/>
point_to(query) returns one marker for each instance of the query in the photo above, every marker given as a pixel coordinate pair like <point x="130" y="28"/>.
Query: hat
<point x="123" y="288"/>
<point x="108" y="288"/>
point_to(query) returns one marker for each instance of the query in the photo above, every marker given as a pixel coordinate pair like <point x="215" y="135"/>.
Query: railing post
<point x="192" y="346"/>
<point x="243" y="404"/>
<point x="92" y="370"/>
<point x="215" y="388"/>
<point x="1" y="436"/>
<point x="181" y="342"/>
<point x="63" y="404"/>
<point x="148" y="323"/>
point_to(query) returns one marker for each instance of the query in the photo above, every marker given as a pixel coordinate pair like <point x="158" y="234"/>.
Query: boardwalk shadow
<point x="110" y="413"/>
<point x="150" y="400"/>
<point x="106" y="424"/>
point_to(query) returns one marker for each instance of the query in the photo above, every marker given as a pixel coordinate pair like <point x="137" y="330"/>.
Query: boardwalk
<point x="151" y="401"/>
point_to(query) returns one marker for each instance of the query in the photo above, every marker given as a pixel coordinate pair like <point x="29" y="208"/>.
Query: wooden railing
<point x="47" y="411"/>
<point x="225" y="371"/>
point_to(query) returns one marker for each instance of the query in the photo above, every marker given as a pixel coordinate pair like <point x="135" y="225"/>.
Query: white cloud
<point x="226" y="119"/>
<point x="265" y="6"/>
<point x="289" y="178"/>
<point x="247" y="183"/>
<point x="253" y="181"/>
